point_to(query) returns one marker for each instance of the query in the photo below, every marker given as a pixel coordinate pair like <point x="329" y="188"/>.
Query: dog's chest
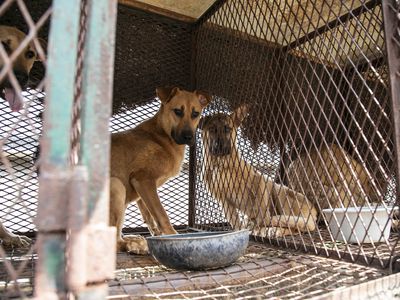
<point x="227" y="184"/>
<point x="171" y="168"/>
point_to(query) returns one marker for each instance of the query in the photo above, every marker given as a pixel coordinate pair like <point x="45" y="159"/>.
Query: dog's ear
<point x="203" y="121"/>
<point x="204" y="98"/>
<point x="239" y="114"/>
<point x="166" y="93"/>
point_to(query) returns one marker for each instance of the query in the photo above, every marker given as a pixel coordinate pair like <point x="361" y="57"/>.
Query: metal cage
<point x="305" y="91"/>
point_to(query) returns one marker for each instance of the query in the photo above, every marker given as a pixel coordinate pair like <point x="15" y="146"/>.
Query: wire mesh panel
<point x="264" y="272"/>
<point x="151" y="51"/>
<point x="298" y="145"/>
<point x="22" y="60"/>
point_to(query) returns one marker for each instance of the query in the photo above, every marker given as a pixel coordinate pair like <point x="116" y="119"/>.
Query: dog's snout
<point x="219" y="147"/>
<point x="187" y="136"/>
<point x="22" y="78"/>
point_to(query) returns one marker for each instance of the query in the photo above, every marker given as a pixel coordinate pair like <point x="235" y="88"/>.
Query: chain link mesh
<point x="19" y="135"/>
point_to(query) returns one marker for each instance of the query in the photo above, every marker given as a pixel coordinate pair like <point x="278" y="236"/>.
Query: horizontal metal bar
<point x="332" y="24"/>
<point x="386" y="287"/>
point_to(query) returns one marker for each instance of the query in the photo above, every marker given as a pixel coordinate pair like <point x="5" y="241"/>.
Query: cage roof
<point x="300" y="26"/>
<point x="188" y="10"/>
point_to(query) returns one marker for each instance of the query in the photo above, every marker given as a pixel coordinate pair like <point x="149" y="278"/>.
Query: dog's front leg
<point x="132" y="243"/>
<point x="148" y="218"/>
<point x="232" y="216"/>
<point x="147" y="190"/>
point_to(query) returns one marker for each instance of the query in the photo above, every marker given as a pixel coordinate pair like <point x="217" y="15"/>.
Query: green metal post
<point x="98" y="72"/>
<point x="55" y="147"/>
<point x="97" y="87"/>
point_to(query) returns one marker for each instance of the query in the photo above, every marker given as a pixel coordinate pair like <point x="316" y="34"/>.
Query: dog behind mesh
<point x="270" y="209"/>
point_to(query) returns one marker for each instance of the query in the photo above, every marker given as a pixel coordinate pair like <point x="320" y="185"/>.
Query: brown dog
<point x="273" y="209"/>
<point x="331" y="177"/>
<point x="144" y="158"/>
<point x="11" y="38"/>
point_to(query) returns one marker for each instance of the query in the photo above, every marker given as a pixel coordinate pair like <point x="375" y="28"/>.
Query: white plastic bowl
<point x="362" y="220"/>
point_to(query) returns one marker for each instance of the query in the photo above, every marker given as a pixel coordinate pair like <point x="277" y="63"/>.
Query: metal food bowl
<point x="199" y="250"/>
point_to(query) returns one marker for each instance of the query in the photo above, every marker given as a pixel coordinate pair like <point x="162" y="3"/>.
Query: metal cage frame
<point x="309" y="78"/>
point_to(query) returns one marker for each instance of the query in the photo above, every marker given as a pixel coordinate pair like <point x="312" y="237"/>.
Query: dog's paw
<point x="17" y="241"/>
<point x="136" y="244"/>
<point x="268" y="232"/>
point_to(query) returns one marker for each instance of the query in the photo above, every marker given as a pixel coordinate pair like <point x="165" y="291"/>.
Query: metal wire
<point x="314" y="77"/>
<point x="19" y="136"/>
<point x="264" y="272"/>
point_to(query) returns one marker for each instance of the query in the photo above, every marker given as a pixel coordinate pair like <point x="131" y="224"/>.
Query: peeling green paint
<point x="97" y="102"/>
<point x="61" y="66"/>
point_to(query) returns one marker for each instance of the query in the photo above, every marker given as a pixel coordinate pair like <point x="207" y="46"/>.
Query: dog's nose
<point x="187" y="136"/>
<point x="22" y="78"/>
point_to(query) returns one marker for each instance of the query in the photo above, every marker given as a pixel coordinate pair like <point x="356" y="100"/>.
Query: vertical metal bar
<point x="391" y="18"/>
<point x="192" y="150"/>
<point x="192" y="186"/>
<point x="392" y="37"/>
<point x="77" y="241"/>
<point x="51" y="219"/>
<point x="97" y="83"/>
<point x="60" y="83"/>
<point x="98" y="71"/>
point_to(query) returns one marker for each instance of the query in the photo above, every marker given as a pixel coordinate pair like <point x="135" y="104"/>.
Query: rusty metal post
<point x="97" y="83"/>
<point x="391" y="15"/>
<point x="51" y="217"/>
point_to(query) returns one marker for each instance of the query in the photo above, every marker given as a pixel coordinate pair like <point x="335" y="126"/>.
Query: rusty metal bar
<point x="382" y="288"/>
<point x="98" y="68"/>
<point x="76" y="273"/>
<point x="210" y="11"/>
<point x="329" y="26"/>
<point x="192" y="187"/>
<point x="54" y="177"/>
<point x="192" y="150"/>
<point x="365" y="65"/>
<point x="391" y="16"/>
<point x="96" y="103"/>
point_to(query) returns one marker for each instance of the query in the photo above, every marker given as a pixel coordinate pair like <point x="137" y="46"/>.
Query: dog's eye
<point x="227" y="129"/>
<point x="30" y="54"/>
<point x="178" y="112"/>
<point x="195" y="114"/>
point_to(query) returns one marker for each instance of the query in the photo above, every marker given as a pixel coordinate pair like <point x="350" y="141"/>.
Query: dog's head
<point x="180" y="112"/>
<point x="219" y="131"/>
<point x="11" y="38"/>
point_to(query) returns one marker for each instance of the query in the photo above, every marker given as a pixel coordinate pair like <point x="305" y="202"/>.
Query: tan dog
<point x="273" y="209"/>
<point x="144" y="158"/>
<point x="330" y="176"/>
<point x="11" y="38"/>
